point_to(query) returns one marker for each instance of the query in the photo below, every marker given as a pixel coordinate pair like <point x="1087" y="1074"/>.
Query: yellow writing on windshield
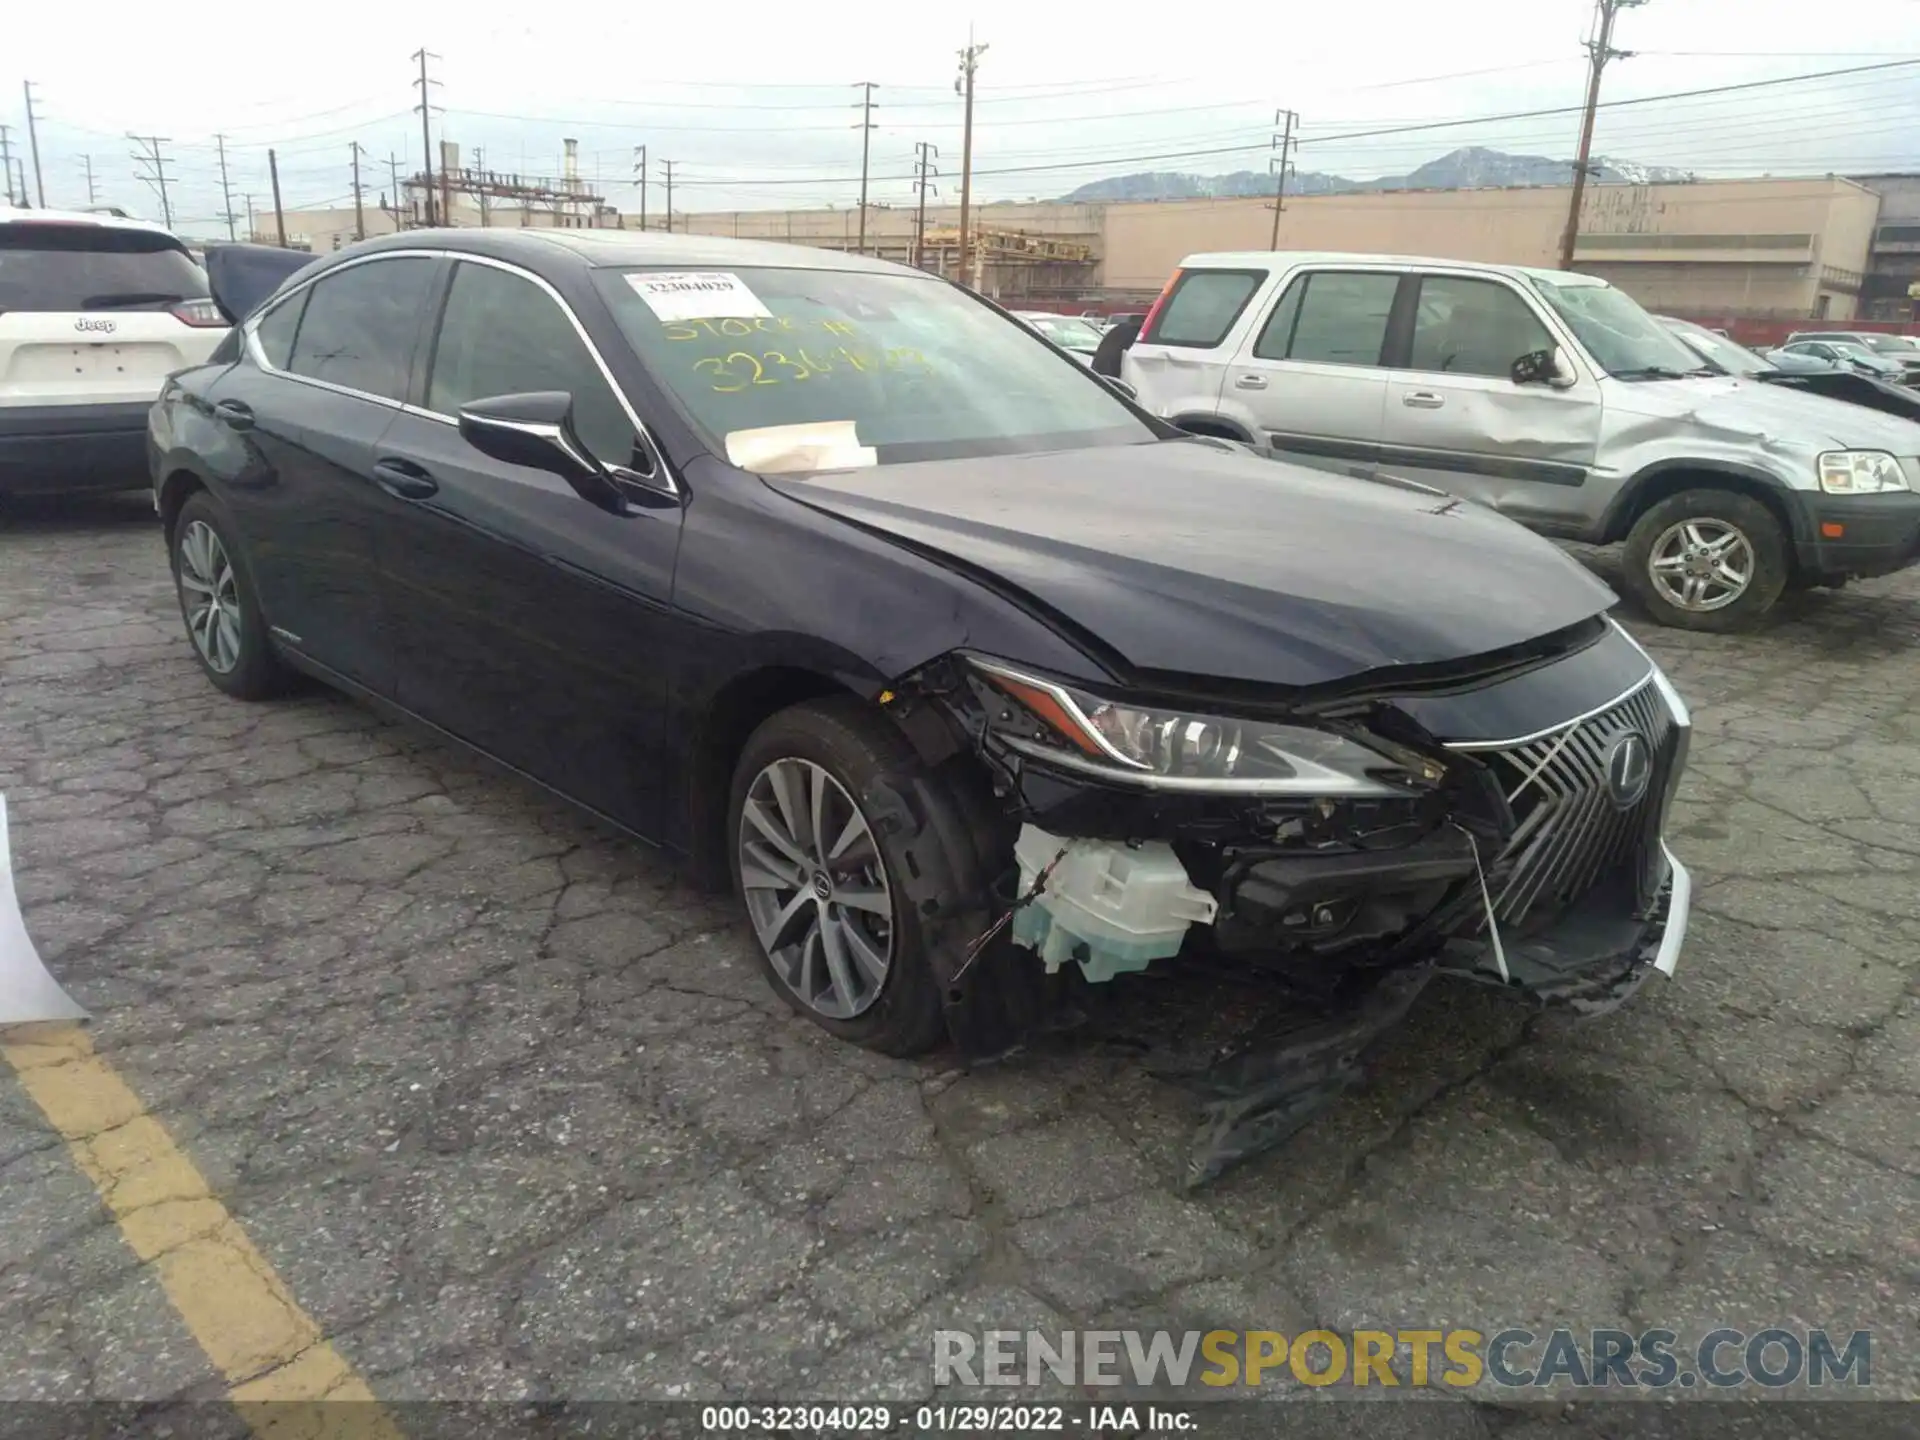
<point x="741" y="370"/>
<point x="735" y="328"/>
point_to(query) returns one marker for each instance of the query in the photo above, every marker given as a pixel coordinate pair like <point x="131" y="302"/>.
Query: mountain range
<point x="1473" y="167"/>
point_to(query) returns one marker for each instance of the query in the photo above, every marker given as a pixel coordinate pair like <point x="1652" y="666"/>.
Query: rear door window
<point x="1203" y="306"/>
<point x="51" y="267"/>
<point x="1340" y="319"/>
<point x="360" y="325"/>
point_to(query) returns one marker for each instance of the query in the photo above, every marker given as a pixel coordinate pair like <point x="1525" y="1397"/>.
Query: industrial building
<point x="1825" y="248"/>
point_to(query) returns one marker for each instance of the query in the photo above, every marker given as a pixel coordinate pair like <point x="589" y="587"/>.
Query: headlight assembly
<point x="1860" y="472"/>
<point x="1162" y="749"/>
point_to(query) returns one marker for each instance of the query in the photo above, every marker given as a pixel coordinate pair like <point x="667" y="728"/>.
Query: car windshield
<point x="1729" y="356"/>
<point x="1894" y="344"/>
<point x="1066" y="332"/>
<point x="1853" y="348"/>
<point x="1623" y="339"/>
<point x="793" y="370"/>
<point x="49" y="266"/>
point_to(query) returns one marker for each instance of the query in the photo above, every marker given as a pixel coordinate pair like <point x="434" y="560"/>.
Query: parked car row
<point x="981" y="682"/>
<point x="1550" y="397"/>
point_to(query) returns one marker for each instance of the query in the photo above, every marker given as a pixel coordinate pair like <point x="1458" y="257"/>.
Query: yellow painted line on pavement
<point x="274" y="1358"/>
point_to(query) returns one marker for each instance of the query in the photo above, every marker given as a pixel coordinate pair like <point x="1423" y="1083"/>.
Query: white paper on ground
<point x="697" y="295"/>
<point x="784" y="449"/>
<point x="27" y="992"/>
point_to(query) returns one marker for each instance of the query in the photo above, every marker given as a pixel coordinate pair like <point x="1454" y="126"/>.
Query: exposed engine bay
<point x="1339" y="858"/>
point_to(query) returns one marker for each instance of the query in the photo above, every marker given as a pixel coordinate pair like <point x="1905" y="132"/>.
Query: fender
<point x="1621" y="511"/>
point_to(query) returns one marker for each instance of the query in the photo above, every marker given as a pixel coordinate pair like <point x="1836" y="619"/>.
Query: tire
<point x="1713" y="514"/>
<point x="238" y="658"/>
<point x="842" y="741"/>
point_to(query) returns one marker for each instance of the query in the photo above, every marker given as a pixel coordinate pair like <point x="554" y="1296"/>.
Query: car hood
<point x="1771" y="415"/>
<point x="1201" y="558"/>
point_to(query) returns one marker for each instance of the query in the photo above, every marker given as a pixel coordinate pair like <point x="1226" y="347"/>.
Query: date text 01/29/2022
<point x="939" y="1419"/>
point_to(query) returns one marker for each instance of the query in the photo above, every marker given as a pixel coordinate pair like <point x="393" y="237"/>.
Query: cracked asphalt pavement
<point x="511" y="1112"/>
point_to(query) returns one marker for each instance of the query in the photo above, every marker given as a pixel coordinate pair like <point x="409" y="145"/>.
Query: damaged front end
<point x="1334" y="851"/>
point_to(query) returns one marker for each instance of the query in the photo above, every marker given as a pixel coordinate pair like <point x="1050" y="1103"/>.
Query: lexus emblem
<point x="1629" y="770"/>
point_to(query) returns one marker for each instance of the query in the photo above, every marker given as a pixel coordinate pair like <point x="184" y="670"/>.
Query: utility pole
<point x="33" y="143"/>
<point x="359" y="207"/>
<point x="226" y="190"/>
<point x="866" y="146"/>
<point x="152" y="157"/>
<point x="667" y="165"/>
<point x="249" y="200"/>
<point x="480" y="169"/>
<point x="399" y="196"/>
<point x="1599" y="51"/>
<point x="640" y="169"/>
<point x="426" y="133"/>
<point x="969" y="62"/>
<point x="279" y="215"/>
<point x="93" y="195"/>
<point x="1283" y="142"/>
<point x="6" y="163"/>
<point x="924" y="170"/>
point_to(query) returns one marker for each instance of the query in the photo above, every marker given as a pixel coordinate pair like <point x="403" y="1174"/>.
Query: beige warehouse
<point x="1797" y="248"/>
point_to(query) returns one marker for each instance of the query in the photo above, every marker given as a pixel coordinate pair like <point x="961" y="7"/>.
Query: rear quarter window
<point x="1203" y="306"/>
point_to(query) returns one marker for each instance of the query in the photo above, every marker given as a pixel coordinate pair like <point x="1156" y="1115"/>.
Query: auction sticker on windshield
<point x="696" y="295"/>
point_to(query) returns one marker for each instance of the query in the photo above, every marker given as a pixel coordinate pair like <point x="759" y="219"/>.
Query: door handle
<point x="236" y="413"/>
<point x="403" y="478"/>
<point x="1423" y="400"/>
<point x="1250" y="382"/>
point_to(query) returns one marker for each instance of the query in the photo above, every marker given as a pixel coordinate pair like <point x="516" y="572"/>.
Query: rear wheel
<point x="223" y="619"/>
<point x="817" y="875"/>
<point x="1707" y="559"/>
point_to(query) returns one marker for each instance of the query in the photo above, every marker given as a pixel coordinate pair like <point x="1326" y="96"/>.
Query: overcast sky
<point x="755" y="102"/>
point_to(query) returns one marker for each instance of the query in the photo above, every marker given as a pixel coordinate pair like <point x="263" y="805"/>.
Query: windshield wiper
<point x="115" y="299"/>
<point x="1661" y="372"/>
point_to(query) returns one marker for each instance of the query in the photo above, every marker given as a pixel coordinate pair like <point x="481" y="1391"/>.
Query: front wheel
<point x="817" y="875"/>
<point x="1707" y="559"/>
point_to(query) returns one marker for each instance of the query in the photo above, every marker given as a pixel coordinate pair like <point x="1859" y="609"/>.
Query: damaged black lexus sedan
<point x="976" y="681"/>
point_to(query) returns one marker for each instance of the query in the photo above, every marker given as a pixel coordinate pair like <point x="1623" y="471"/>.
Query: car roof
<point x="15" y="216"/>
<point x="1267" y="259"/>
<point x="615" y="248"/>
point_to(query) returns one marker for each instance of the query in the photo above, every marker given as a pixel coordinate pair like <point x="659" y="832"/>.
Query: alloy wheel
<point x="815" y="887"/>
<point x="212" y="596"/>
<point x="1701" y="564"/>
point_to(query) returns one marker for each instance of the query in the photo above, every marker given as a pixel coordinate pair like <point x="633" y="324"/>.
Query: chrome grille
<point x="1569" y="831"/>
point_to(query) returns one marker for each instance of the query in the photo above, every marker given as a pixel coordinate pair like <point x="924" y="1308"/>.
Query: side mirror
<point x="536" y="430"/>
<point x="1545" y="367"/>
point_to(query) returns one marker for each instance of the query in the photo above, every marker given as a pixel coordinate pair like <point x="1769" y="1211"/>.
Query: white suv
<point x="1552" y="397"/>
<point x="95" y="312"/>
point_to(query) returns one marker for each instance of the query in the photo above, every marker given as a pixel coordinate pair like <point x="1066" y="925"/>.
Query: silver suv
<point x="1551" y="397"/>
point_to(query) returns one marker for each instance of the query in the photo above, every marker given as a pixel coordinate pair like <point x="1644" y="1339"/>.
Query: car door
<point x="1309" y="375"/>
<point x="326" y="372"/>
<point x="530" y="622"/>
<point x="1455" y="417"/>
